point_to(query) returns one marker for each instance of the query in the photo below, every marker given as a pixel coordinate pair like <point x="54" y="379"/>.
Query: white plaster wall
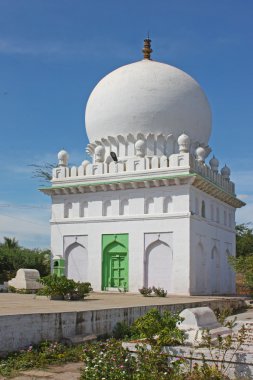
<point x="211" y="235"/>
<point x="136" y="224"/>
<point x="183" y="222"/>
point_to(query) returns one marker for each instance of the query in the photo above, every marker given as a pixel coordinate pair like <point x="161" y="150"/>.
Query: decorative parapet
<point x="154" y="145"/>
<point x="177" y="163"/>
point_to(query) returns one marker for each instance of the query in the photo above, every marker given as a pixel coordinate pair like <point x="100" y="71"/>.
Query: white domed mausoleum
<point x="148" y="210"/>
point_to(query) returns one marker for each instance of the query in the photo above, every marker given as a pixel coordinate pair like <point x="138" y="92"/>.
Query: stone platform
<point x="27" y="319"/>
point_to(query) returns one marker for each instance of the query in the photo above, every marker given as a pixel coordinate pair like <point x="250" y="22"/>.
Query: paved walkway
<point x="12" y="303"/>
<point x="70" y="371"/>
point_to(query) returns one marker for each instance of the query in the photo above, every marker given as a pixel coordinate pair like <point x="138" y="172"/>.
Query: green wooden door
<point x="117" y="265"/>
<point x="115" y="262"/>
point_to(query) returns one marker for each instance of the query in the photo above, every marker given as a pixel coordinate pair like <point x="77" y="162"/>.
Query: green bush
<point x="121" y="331"/>
<point x="14" y="257"/>
<point x="159" y="292"/>
<point x="62" y="286"/>
<point x="158" y="328"/>
<point x="39" y="356"/>
<point x="110" y="361"/>
<point x="244" y="266"/>
<point x="146" y="292"/>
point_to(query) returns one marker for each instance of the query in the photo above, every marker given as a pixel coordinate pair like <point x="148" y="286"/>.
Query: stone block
<point x="26" y="279"/>
<point x="199" y="319"/>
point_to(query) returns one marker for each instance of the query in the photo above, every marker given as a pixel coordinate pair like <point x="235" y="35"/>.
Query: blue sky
<point x="52" y="54"/>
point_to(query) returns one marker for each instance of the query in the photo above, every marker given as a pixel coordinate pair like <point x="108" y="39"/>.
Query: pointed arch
<point x="76" y="262"/>
<point x="149" y="207"/>
<point x="215" y="270"/>
<point x="167" y="204"/>
<point x="158" y="265"/>
<point x="201" y="269"/>
<point x="115" y="266"/>
<point x="83" y="209"/>
<point x="68" y="210"/>
<point x="203" y="209"/>
<point x="230" y="273"/>
<point x="107" y="208"/>
<point x="124" y="207"/>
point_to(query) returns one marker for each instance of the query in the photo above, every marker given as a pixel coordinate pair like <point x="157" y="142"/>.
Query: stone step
<point x="78" y="339"/>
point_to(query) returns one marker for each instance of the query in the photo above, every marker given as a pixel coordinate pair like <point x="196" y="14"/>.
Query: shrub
<point x="244" y="266"/>
<point x="62" y="286"/>
<point x="159" y="292"/>
<point x="39" y="356"/>
<point x="146" y="292"/>
<point x="158" y="328"/>
<point x="110" y="361"/>
<point x="121" y="330"/>
<point x="107" y="360"/>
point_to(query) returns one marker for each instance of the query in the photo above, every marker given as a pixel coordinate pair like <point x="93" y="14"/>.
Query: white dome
<point x="148" y="97"/>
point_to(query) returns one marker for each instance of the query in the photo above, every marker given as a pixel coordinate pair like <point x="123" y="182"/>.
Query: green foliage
<point x="121" y="331"/>
<point x="107" y="360"/>
<point x="14" y="257"/>
<point x="244" y="266"/>
<point x="146" y="292"/>
<point x="204" y="372"/>
<point x="62" y="286"/>
<point x="158" y="328"/>
<point x="39" y="357"/>
<point x="224" y="345"/>
<point x="159" y="292"/>
<point x="244" y="240"/>
<point x="110" y="361"/>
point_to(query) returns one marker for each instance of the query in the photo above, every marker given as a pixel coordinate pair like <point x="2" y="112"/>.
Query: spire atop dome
<point x="147" y="48"/>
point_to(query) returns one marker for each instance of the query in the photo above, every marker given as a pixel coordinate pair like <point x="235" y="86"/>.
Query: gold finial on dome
<point x="147" y="48"/>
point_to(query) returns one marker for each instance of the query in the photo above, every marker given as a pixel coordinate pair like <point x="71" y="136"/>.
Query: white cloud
<point x="29" y="224"/>
<point x="83" y="49"/>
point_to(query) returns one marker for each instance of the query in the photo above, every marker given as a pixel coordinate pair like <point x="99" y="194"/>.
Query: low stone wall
<point x="20" y="331"/>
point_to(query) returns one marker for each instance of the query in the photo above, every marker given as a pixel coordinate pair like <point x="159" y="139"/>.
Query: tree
<point x="244" y="240"/>
<point x="10" y="242"/>
<point x="14" y="257"/>
<point x="243" y="265"/>
<point x="43" y="172"/>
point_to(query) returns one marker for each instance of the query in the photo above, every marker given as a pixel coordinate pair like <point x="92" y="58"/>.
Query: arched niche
<point x="230" y="274"/>
<point x="124" y="207"/>
<point x="200" y="269"/>
<point x="68" y="210"/>
<point x="83" y="209"/>
<point x="203" y="209"/>
<point x="107" y="208"/>
<point x="76" y="262"/>
<point x="212" y="212"/>
<point x="149" y="207"/>
<point x="215" y="270"/>
<point x="167" y="205"/>
<point x="158" y="265"/>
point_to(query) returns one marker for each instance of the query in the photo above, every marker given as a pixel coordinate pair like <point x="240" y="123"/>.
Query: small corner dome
<point x="214" y="161"/>
<point x="183" y="139"/>
<point x="63" y="155"/>
<point x="225" y="171"/>
<point x="148" y="97"/>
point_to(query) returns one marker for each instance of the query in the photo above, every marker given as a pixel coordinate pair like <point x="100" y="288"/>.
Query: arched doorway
<point x="158" y="266"/>
<point x="115" y="266"/>
<point x="77" y="262"/>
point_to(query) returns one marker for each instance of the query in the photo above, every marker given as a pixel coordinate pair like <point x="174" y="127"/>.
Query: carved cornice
<point x="143" y="181"/>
